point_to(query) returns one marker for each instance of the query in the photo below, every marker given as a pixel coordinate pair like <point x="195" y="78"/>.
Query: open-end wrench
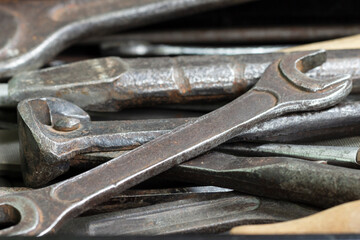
<point x="322" y="185"/>
<point x="205" y="209"/>
<point x="283" y="88"/>
<point x="109" y="84"/>
<point x="205" y="213"/>
<point x="132" y="198"/>
<point x="49" y="153"/>
<point x="35" y="31"/>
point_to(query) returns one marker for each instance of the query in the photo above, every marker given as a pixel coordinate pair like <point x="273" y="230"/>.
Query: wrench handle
<point x="112" y="83"/>
<point x="179" y="145"/>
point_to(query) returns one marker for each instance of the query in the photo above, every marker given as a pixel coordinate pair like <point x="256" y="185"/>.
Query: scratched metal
<point x="132" y="198"/>
<point x="336" y="155"/>
<point x="292" y="179"/>
<point x="210" y="213"/>
<point x="33" y="31"/>
<point x="43" y="210"/>
<point x="246" y="35"/>
<point x="49" y="153"/>
<point x="142" y="48"/>
<point x="285" y="178"/>
<point x="110" y="84"/>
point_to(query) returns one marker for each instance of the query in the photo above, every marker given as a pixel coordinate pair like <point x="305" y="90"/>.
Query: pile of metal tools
<point x="156" y="117"/>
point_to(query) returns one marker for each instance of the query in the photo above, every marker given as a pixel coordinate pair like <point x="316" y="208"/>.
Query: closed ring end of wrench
<point x="177" y="146"/>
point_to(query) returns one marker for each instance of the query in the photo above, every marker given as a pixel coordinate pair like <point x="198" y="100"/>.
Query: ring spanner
<point x="281" y="89"/>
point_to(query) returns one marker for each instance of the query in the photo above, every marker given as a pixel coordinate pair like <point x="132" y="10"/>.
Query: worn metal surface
<point x="293" y="179"/>
<point x="35" y="31"/>
<point x="135" y="198"/>
<point x="286" y="178"/>
<point x="206" y="213"/>
<point x="55" y="151"/>
<point x="269" y="34"/>
<point x="142" y="48"/>
<point x="109" y="84"/>
<point x="343" y="156"/>
<point x="132" y="198"/>
<point x="42" y="211"/>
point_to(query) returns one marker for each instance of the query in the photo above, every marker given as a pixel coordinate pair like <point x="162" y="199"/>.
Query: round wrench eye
<point x="9" y="216"/>
<point x="22" y="214"/>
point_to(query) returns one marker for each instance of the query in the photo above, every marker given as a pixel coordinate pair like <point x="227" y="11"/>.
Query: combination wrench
<point x="283" y="88"/>
<point x="46" y="153"/>
<point x="113" y="83"/>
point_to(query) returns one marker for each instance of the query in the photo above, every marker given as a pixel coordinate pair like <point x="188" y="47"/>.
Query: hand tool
<point x="56" y="151"/>
<point x="342" y="219"/>
<point x="36" y="31"/>
<point x="142" y="48"/>
<point x="135" y="198"/>
<point x="337" y="155"/>
<point x="283" y="88"/>
<point x="109" y="84"/>
<point x="285" y="178"/>
<point x="321" y="185"/>
<point x="230" y="35"/>
<point x="206" y="213"/>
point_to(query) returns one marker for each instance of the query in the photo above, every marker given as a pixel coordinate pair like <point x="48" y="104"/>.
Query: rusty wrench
<point x="281" y="89"/>
<point x="112" y="83"/>
<point x="35" y="31"/>
<point x="46" y="153"/>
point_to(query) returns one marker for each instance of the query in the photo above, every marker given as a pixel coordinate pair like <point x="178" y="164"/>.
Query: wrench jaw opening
<point x="67" y="199"/>
<point x="42" y="152"/>
<point x="304" y="93"/>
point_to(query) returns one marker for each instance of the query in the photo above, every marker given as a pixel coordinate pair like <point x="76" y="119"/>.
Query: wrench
<point x="319" y="185"/>
<point x="164" y="211"/>
<point x="141" y="48"/>
<point x="206" y="213"/>
<point x="35" y="31"/>
<point x="48" y="153"/>
<point x="285" y="178"/>
<point x="281" y="89"/>
<point x="110" y="84"/>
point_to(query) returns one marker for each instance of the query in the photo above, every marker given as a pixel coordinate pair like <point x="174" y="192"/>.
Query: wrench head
<point x="44" y="127"/>
<point x="273" y="82"/>
<point x="295" y="91"/>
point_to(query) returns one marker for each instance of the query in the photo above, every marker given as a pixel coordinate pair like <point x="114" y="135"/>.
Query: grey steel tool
<point x="35" y="31"/>
<point x="206" y="213"/>
<point x="133" y="198"/>
<point x="337" y="155"/>
<point x="136" y="198"/>
<point x="283" y="88"/>
<point x="286" y="178"/>
<point x="231" y="35"/>
<point x="142" y="48"/>
<point x="58" y="150"/>
<point x="110" y="84"/>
